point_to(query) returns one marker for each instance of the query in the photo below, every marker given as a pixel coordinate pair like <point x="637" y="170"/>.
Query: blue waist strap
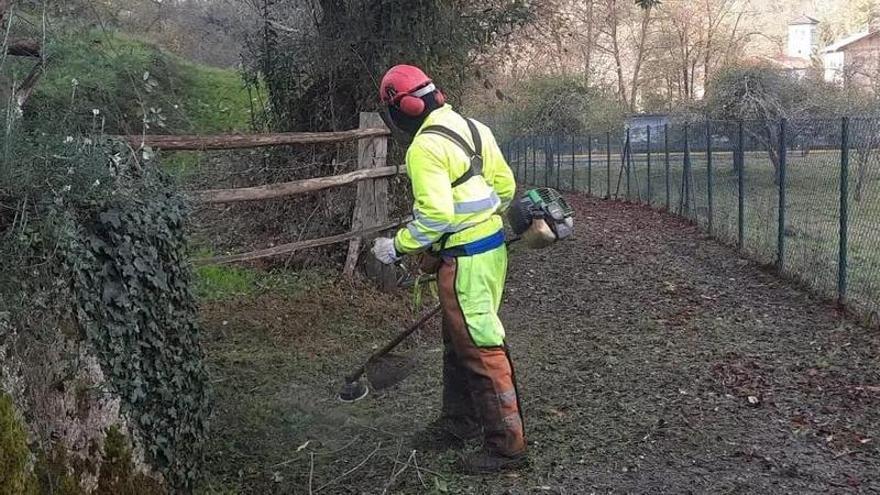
<point x="477" y="247"/>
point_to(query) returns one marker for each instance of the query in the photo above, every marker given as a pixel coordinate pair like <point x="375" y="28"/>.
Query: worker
<point x="461" y="183"/>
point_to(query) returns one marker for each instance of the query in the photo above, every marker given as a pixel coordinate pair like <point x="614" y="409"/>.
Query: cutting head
<point x="353" y="391"/>
<point x="381" y="372"/>
<point x="389" y="370"/>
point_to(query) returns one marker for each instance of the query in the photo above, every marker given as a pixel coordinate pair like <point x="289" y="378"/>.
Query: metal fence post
<point x="549" y="156"/>
<point x="627" y="153"/>
<point x="844" y="214"/>
<point x="780" y="248"/>
<point x="650" y="197"/>
<point x="709" y="192"/>
<point x="518" y="161"/>
<point x="608" y="165"/>
<point x="590" y="164"/>
<point x="573" y="188"/>
<point x="545" y="154"/>
<point x="534" y="162"/>
<point x="527" y="145"/>
<point x="519" y="156"/>
<point x="685" y="200"/>
<point x="740" y="155"/>
<point x="666" y="152"/>
<point x="558" y="157"/>
<point x="511" y="147"/>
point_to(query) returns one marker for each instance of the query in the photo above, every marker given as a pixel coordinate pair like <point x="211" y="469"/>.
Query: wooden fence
<point x="370" y="215"/>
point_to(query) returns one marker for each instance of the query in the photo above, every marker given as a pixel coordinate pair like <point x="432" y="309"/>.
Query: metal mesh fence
<point x="863" y="213"/>
<point x="801" y="195"/>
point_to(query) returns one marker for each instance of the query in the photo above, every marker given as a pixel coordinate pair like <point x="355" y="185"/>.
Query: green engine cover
<point x="544" y="203"/>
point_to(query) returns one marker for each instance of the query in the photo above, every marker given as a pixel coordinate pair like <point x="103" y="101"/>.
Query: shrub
<point x="559" y="105"/>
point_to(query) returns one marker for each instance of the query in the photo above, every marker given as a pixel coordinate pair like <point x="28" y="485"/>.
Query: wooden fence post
<point x="371" y="205"/>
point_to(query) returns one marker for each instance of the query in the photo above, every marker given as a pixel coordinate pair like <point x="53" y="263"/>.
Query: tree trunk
<point x="614" y="20"/>
<point x="588" y="50"/>
<point x="640" y="57"/>
<point x="26" y="88"/>
<point x="24" y="48"/>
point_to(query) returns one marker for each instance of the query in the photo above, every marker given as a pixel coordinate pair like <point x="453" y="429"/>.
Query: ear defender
<point x="413" y="105"/>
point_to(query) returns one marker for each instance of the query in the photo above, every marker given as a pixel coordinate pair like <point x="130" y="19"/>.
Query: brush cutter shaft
<point x="356" y="374"/>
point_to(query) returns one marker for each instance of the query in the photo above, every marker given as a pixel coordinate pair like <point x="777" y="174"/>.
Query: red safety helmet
<point x="404" y="86"/>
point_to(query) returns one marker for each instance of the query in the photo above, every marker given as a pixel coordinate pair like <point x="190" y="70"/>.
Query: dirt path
<point x="650" y="360"/>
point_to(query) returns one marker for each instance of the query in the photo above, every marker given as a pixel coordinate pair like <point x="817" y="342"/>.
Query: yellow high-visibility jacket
<point x="469" y="212"/>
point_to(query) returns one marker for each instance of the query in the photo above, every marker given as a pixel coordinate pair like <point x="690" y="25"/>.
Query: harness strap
<point x="476" y="155"/>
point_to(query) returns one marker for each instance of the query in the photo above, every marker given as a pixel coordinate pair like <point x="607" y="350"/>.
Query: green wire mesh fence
<point x="801" y="195"/>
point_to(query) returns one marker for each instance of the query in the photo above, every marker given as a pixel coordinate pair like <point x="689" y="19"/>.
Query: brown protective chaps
<point x="478" y="383"/>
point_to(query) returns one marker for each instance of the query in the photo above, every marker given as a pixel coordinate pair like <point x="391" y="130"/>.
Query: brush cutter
<point x="383" y="369"/>
<point x="540" y="218"/>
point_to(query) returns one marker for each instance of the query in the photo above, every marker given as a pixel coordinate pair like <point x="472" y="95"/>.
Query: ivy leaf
<point x="140" y="265"/>
<point x="112" y="292"/>
<point x="111" y="218"/>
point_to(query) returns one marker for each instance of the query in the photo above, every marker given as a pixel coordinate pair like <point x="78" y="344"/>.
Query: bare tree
<point x="626" y="37"/>
<point x="699" y="37"/>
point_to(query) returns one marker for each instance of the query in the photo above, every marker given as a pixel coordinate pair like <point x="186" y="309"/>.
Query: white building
<point x="801" y="47"/>
<point x="802" y="37"/>
<point x="854" y="59"/>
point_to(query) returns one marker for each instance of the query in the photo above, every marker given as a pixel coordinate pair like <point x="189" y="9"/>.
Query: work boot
<point x="445" y="434"/>
<point x="487" y="462"/>
<point x="458" y="421"/>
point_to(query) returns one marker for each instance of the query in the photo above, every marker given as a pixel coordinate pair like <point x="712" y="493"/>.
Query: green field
<point x="812" y="207"/>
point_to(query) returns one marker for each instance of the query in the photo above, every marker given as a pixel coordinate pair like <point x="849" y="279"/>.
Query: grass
<point x="134" y="86"/>
<point x="277" y="358"/>
<point x="215" y="283"/>
<point x="812" y="223"/>
<point x="217" y="100"/>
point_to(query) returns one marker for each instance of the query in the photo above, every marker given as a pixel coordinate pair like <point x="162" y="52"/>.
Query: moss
<point x="16" y="476"/>
<point x="118" y="475"/>
<point x="55" y="475"/>
<point x="59" y="474"/>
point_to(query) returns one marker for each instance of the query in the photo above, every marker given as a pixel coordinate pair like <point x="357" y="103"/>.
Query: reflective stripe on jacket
<point x="468" y="212"/>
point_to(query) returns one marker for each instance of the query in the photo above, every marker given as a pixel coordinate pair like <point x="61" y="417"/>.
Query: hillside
<point x="126" y="85"/>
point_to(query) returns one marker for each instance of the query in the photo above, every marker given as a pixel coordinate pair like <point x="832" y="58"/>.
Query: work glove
<point x="384" y="250"/>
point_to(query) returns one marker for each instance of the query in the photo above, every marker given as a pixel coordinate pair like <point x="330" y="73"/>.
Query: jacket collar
<point x="436" y="116"/>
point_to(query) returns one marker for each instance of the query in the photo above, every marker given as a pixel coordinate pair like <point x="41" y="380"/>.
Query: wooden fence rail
<point x="246" y="141"/>
<point x="282" y="189"/>
<point x="370" y="216"/>
<point x="298" y="246"/>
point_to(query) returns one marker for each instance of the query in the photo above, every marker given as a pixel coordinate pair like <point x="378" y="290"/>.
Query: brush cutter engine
<point x="541" y="217"/>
